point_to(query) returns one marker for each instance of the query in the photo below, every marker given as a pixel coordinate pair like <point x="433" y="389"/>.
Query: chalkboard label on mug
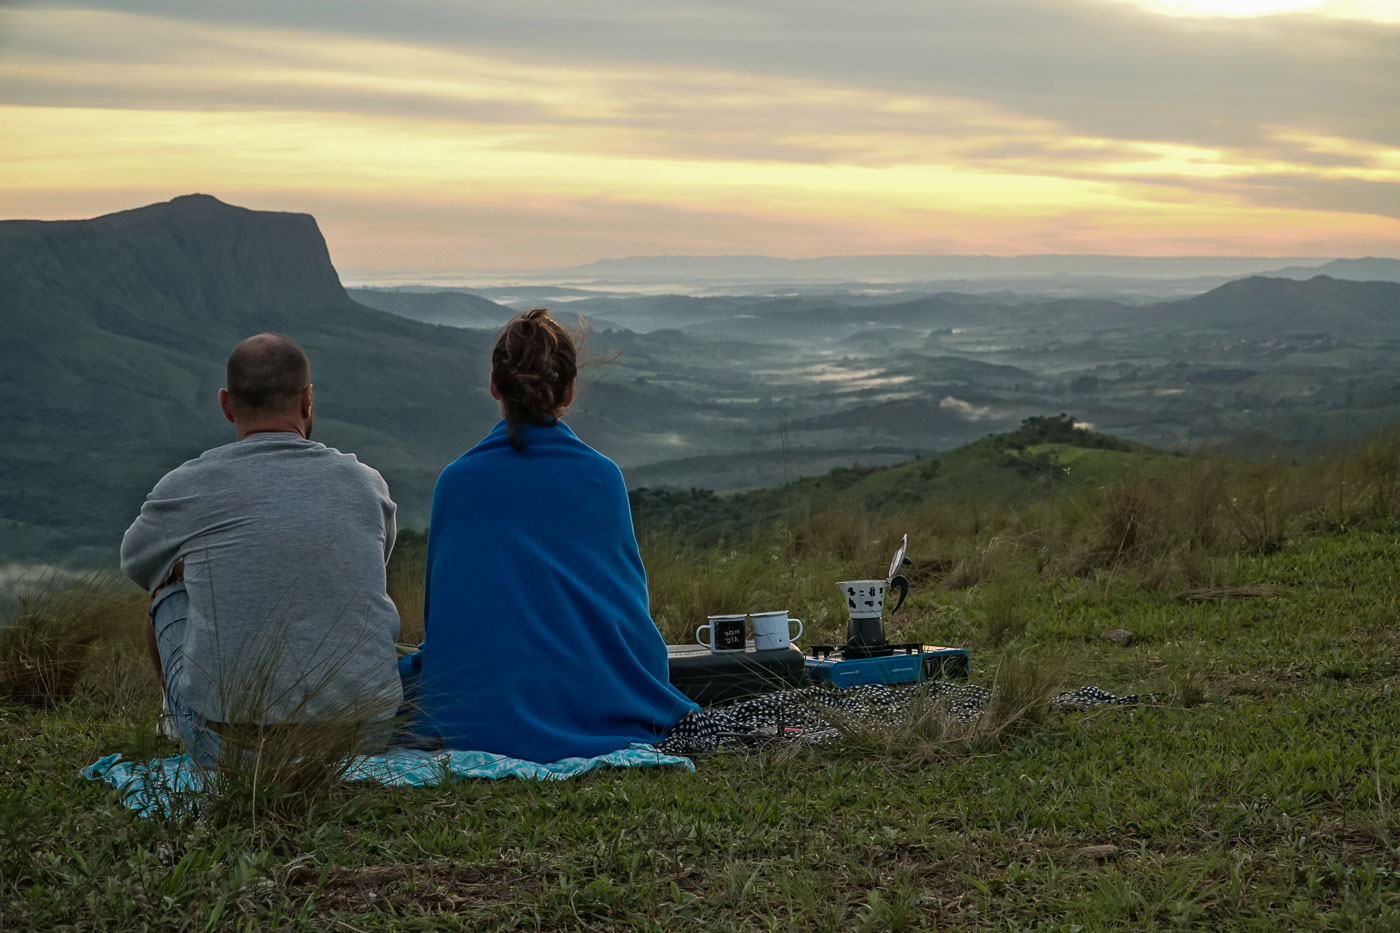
<point x="729" y="635"/>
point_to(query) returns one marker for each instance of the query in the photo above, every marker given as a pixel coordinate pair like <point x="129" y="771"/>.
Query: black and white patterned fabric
<point x="808" y="715"/>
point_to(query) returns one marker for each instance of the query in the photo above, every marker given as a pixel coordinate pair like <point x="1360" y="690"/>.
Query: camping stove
<point x="888" y="664"/>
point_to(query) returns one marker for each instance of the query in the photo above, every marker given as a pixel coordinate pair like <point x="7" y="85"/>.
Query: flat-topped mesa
<point x="191" y="257"/>
<point x="114" y="334"/>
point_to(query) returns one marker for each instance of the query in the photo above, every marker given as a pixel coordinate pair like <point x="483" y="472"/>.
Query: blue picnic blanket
<point x="150" y="787"/>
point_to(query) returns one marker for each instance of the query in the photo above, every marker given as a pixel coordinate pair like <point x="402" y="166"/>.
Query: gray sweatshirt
<point x="285" y="542"/>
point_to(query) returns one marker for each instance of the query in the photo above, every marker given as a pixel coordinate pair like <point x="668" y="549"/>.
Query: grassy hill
<point x="1045" y="456"/>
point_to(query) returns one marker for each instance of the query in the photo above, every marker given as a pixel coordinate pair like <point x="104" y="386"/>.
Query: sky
<point x="442" y="135"/>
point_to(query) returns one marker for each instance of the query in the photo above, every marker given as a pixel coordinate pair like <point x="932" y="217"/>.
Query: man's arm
<point x="389" y="509"/>
<point x="151" y="546"/>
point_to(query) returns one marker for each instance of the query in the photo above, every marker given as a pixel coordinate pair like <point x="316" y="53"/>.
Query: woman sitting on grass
<point x="539" y="641"/>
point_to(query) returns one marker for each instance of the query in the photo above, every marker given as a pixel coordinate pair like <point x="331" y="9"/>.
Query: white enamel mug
<point x="771" y="630"/>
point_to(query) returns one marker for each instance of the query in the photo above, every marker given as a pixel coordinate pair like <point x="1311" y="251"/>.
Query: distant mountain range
<point x="1264" y="306"/>
<point x="874" y="269"/>
<point x="1252" y="306"/>
<point x="1370" y="269"/>
<point x="114" y="333"/>
<point x="1130" y="278"/>
<point x="455" y="308"/>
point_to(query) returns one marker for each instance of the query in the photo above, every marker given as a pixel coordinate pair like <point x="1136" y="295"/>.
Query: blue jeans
<point x="170" y="614"/>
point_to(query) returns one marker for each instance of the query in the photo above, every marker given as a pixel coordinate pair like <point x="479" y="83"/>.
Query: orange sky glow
<point x="474" y="152"/>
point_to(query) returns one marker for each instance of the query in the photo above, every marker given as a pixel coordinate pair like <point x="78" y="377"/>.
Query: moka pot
<point x="865" y="603"/>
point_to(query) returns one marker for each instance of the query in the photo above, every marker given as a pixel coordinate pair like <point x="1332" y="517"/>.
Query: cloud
<point x="1101" y="68"/>
<point x="548" y="133"/>
<point x="965" y="409"/>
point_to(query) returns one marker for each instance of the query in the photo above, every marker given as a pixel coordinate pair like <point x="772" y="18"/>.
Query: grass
<point x="52" y="629"/>
<point x="1262" y="796"/>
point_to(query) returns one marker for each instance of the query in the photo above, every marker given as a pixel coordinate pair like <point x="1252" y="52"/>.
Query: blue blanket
<point x="539" y="642"/>
<point x="154" y="786"/>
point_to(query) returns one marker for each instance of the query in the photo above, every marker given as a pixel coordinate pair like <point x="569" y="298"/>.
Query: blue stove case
<point x="891" y="664"/>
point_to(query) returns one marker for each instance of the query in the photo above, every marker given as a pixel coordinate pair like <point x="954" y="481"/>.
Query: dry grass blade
<point x="1214" y="593"/>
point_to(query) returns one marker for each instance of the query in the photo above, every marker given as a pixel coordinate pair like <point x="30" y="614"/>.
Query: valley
<point x="746" y="391"/>
<point x="114" y="332"/>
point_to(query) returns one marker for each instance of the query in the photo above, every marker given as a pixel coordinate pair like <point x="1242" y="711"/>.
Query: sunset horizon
<point x="469" y="138"/>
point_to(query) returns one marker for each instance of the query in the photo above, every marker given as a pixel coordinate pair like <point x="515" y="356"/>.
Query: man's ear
<point x="568" y="398"/>
<point x="491" y="387"/>
<point x="307" y="400"/>
<point x="225" y="405"/>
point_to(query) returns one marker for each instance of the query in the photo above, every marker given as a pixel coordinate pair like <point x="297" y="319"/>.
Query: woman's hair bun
<point x="533" y="363"/>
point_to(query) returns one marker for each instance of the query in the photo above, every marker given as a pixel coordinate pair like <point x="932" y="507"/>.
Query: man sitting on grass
<point x="265" y="560"/>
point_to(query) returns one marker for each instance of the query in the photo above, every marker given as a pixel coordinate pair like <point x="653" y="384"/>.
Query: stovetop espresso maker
<point x="865" y="603"/>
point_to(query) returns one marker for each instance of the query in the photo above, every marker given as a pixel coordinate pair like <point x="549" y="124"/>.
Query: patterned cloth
<point x="804" y="715"/>
<point x="155" y="786"/>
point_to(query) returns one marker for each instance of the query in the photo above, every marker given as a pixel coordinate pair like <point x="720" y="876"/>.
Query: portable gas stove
<point x="854" y="665"/>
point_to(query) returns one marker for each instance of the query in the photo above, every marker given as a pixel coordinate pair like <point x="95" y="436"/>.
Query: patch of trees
<point x="1055" y="429"/>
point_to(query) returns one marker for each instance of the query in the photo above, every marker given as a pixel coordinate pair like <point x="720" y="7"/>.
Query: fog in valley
<point x="750" y="377"/>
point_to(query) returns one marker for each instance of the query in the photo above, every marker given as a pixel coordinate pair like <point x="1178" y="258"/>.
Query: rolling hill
<point x="1043" y="453"/>
<point x="1263" y="307"/>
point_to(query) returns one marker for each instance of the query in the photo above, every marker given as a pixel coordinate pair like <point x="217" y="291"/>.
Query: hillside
<point x="1261" y="306"/>
<point x="113" y="335"/>
<point x="1044" y="454"/>
<point x="1245" y="617"/>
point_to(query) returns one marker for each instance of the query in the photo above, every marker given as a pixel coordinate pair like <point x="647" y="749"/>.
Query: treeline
<point x="1056" y="429"/>
<point x="705" y="518"/>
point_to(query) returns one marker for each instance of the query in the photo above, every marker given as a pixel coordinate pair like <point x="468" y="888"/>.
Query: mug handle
<point x="697" y="634"/>
<point x="900" y="583"/>
<point x="792" y="638"/>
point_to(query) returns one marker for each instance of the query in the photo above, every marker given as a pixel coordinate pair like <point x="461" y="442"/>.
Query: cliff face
<point x="113" y="337"/>
<point x="193" y="258"/>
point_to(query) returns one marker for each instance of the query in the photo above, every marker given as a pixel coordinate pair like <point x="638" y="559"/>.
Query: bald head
<point x="266" y="374"/>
